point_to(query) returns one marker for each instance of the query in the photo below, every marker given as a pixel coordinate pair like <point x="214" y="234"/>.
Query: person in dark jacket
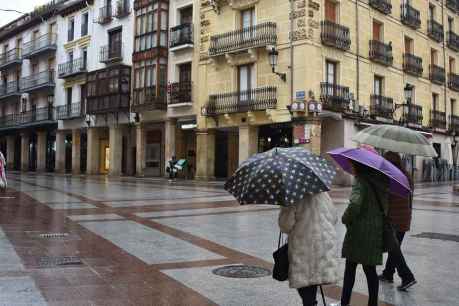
<point x="363" y="242"/>
<point x="400" y="216"/>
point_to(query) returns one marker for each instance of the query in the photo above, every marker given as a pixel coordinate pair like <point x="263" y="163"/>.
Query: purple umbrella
<point x="398" y="181"/>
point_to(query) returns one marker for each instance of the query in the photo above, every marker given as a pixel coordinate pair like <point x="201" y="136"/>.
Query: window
<point x="377" y="30"/>
<point x="450" y="24"/>
<point x="35" y="34"/>
<point x="245" y="73"/>
<point x="433" y="57"/>
<point x="247" y="18"/>
<point x="431" y="12"/>
<point x="34" y="67"/>
<point x="452" y="65"/>
<point x="185" y="73"/>
<point x="378" y="85"/>
<point x="434" y="101"/>
<point x="68" y="96"/>
<point x="453" y="106"/>
<point x="186" y="15"/>
<point x="70" y="56"/>
<point x="331" y="71"/>
<point x="409" y="45"/>
<point x="52" y="28"/>
<point x="71" y="29"/>
<point x="84" y="24"/>
<point x="51" y="63"/>
<point x="84" y="52"/>
<point x="19" y="43"/>
<point x="330" y="11"/>
<point x="409" y="94"/>
<point x="114" y="43"/>
<point x="147" y="34"/>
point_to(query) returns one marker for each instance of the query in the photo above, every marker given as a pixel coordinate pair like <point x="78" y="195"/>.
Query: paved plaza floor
<point x="71" y="240"/>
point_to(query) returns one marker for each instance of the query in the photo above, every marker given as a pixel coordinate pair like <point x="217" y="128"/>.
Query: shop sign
<point x="300" y="95"/>
<point x="301" y="134"/>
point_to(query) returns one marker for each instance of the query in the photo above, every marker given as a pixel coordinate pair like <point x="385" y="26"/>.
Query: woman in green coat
<point x="363" y="243"/>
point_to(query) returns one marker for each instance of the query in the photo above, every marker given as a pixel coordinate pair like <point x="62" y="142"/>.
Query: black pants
<point x="308" y="295"/>
<point x="396" y="260"/>
<point x="349" y="279"/>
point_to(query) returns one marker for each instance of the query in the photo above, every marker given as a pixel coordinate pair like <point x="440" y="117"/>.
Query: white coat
<point x="312" y="244"/>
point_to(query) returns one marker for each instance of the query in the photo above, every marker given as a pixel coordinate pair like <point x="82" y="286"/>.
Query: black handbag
<point x="390" y="241"/>
<point x="280" y="270"/>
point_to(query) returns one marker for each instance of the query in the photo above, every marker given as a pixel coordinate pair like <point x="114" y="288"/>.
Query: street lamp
<point x="273" y="57"/>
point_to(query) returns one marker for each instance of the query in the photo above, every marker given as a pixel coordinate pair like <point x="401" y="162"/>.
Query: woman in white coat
<point x="312" y="245"/>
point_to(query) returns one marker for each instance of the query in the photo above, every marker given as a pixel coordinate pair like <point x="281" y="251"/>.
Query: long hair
<point x="396" y="160"/>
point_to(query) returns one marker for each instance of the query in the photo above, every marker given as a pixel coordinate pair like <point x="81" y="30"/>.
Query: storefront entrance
<point x="153" y="153"/>
<point x="274" y="135"/>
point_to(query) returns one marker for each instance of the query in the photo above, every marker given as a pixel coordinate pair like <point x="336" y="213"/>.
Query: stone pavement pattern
<point x="147" y="242"/>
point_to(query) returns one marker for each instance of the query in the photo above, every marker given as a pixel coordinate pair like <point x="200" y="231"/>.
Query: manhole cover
<point x="53" y="235"/>
<point x="241" y="271"/>
<point x="53" y="261"/>
<point x="438" y="236"/>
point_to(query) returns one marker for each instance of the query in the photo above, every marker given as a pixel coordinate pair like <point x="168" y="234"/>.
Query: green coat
<point x="363" y="242"/>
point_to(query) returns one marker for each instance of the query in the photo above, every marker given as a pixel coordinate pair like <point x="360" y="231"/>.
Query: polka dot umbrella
<point x="281" y="176"/>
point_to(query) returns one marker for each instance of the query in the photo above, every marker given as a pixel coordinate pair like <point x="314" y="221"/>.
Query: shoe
<point x="386" y="279"/>
<point x="406" y="285"/>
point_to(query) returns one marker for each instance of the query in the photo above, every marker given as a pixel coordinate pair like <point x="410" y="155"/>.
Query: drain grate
<point x="438" y="236"/>
<point x="241" y="271"/>
<point x="53" y="235"/>
<point x="55" y="261"/>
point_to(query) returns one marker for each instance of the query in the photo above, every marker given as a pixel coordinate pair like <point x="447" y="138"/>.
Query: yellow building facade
<point x="364" y="62"/>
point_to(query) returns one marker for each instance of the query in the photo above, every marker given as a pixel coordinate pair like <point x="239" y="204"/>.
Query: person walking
<point x="3" y="182"/>
<point x="312" y="244"/>
<point x="363" y="241"/>
<point x="400" y="211"/>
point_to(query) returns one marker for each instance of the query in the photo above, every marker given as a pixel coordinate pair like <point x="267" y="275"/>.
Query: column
<point x="248" y="141"/>
<point x="205" y="154"/>
<point x="41" y="150"/>
<point x="76" y="151"/>
<point x="60" y="152"/>
<point x="10" y="151"/>
<point x="116" y="150"/>
<point x="25" y="142"/>
<point x="140" y="150"/>
<point x="169" y="135"/>
<point x="93" y="152"/>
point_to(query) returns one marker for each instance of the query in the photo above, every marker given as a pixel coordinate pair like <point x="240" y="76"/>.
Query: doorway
<point x="33" y="152"/>
<point x="68" y="153"/>
<point x="153" y="155"/>
<point x="221" y="154"/>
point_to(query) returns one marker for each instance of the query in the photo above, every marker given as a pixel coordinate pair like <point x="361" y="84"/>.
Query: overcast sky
<point x="25" y="6"/>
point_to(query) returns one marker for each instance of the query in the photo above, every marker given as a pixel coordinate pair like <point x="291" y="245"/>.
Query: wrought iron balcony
<point x="384" y="6"/>
<point x="181" y="35"/>
<point x="10" y="89"/>
<point x="72" y="68"/>
<point x="256" y="99"/>
<point x="123" y="8"/>
<point x="256" y="36"/>
<point x="335" y="35"/>
<point x="454" y="123"/>
<point x="335" y="97"/>
<point x="43" y="44"/>
<point x="29" y="118"/>
<point x="150" y="98"/>
<point x="11" y="58"/>
<point x="437" y="74"/>
<point x="452" y="41"/>
<point x="453" y="81"/>
<point x="40" y="81"/>
<point x="105" y="14"/>
<point x="381" y="106"/>
<point x="412" y="64"/>
<point x="70" y="111"/>
<point x="435" y="30"/>
<point x="412" y="114"/>
<point x="452" y="5"/>
<point x="410" y="16"/>
<point x="116" y="103"/>
<point x="437" y="119"/>
<point x="111" y="53"/>
<point x="381" y="52"/>
<point x="180" y="93"/>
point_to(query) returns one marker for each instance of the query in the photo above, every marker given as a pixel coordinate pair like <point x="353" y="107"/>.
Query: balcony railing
<point x="44" y="43"/>
<point x="69" y="111"/>
<point x="335" y="97"/>
<point x="180" y="92"/>
<point x="256" y="99"/>
<point x="435" y="30"/>
<point x="412" y="64"/>
<point x="452" y="41"/>
<point x="116" y="103"/>
<point x="251" y="37"/>
<point x="42" y="80"/>
<point x="412" y="114"/>
<point x="111" y="53"/>
<point x="381" y="106"/>
<point x="454" y="123"/>
<point x="147" y="99"/>
<point x="437" y="74"/>
<point x="335" y="35"/>
<point x="381" y="52"/>
<point x="27" y="118"/>
<point x="437" y="119"/>
<point x="9" y="89"/>
<point x="384" y="6"/>
<point x="181" y="35"/>
<point x="11" y="57"/>
<point x="453" y="81"/>
<point x="123" y="8"/>
<point x="410" y="16"/>
<point x="452" y="5"/>
<point x="72" y="68"/>
<point x="105" y="14"/>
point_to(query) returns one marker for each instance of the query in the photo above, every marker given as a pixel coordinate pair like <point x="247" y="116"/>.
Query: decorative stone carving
<point x="301" y="4"/>
<point x="314" y="5"/>
<point x="244" y="58"/>
<point x="301" y="23"/>
<point x="297" y="14"/>
<point x="313" y="23"/>
<point x="242" y="4"/>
